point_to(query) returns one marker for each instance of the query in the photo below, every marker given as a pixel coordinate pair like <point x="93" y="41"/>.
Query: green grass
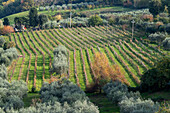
<point x="104" y="104"/>
<point x="80" y="70"/>
<point x="28" y="100"/>
<point x="157" y="96"/>
<point x="72" y="76"/>
<point x="127" y="76"/>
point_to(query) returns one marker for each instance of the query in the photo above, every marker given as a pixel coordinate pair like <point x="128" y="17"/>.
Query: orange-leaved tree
<point x="6" y="30"/>
<point x="104" y="72"/>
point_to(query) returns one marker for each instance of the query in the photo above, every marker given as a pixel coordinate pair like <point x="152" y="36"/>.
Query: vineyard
<point x="36" y="53"/>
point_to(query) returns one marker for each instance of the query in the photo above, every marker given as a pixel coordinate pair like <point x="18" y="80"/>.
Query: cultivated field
<point x="36" y="47"/>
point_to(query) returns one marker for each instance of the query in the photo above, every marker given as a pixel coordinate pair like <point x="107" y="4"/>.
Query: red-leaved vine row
<point x="68" y="74"/>
<point x="23" y="60"/>
<point x="136" y="67"/>
<point x="109" y="54"/>
<point x="139" y="55"/>
<point x="143" y="52"/>
<point x="65" y="43"/>
<point x="71" y="43"/>
<point x="91" y="67"/>
<point x="13" y="63"/>
<point x="77" y="33"/>
<point x="17" y="58"/>
<point x="110" y="35"/>
<point x="120" y="32"/>
<point x="36" y="58"/>
<point x="14" y="69"/>
<point x="84" y="68"/>
<point x="87" y="36"/>
<point x="75" y="68"/>
<point x="52" y="42"/>
<point x="75" y="37"/>
<point x="35" y="68"/>
<point x="155" y="48"/>
<point x="123" y="32"/>
<point x="35" y="53"/>
<point x="53" y="39"/>
<point x="93" y="50"/>
<point x="133" y="56"/>
<point x="72" y="39"/>
<point x="99" y="49"/>
<point x="113" y="32"/>
<point x="97" y="37"/>
<point x="42" y="40"/>
<point x="44" y="48"/>
<point x="146" y="49"/>
<point x="125" y="66"/>
<point x="44" y="55"/>
<point x="50" y="59"/>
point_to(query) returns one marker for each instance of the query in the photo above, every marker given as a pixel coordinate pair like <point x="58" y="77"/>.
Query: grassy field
<point x="65" y="13"/>
<point x="104" y="104"/>
<point x="133" y="58"/>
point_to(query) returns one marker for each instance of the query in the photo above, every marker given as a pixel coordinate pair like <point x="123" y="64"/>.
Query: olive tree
<point x="60" y="63"/>
<point x="11" y="94"/>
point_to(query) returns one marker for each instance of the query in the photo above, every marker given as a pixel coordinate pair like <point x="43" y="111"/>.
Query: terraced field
<point x="36" y="47"/>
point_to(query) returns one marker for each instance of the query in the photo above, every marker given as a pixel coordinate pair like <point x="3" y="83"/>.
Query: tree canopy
<point x="6" y="21"/>
<point x="60" y="63"/>
<point x="95" y="20"/>
<point x="155" y="7"/>
<point x="33" y="17"/>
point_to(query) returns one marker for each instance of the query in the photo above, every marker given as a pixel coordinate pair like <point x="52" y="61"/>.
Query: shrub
<point x="3" y="72"/>
<point x="156" y="78"/>
<point x="166" y="43"/>
<point x="165" y="20"/>
<point x="131" y="105"/>
<point x="151" y="29"/>
<point x="162" y="28"/>
<point x="14" y="102"/>
<point x="4" y="83"/>
<point x="122" y="21"/>
<point x="77" y="107"/>
<point x="168" y="28"/>
<point x="62" y="91"/>
<point x="95" y="20"/>
<point x="147" y="17"/>
<point x="129" y="102"/>
<point x="159" y="24"/>
<point x="156" y="37"/>
<point x="50" y="24"/>
<point x="2" y="41"/>
<point x="116" y="91"/>
<point x="7" y="56"/>
<point x="18" y="88"/>
<point x="60" y="63"/>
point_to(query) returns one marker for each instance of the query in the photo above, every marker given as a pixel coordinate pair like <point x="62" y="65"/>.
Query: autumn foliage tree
<point x="6" y="30"/>
<point x="104" y="73"/>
